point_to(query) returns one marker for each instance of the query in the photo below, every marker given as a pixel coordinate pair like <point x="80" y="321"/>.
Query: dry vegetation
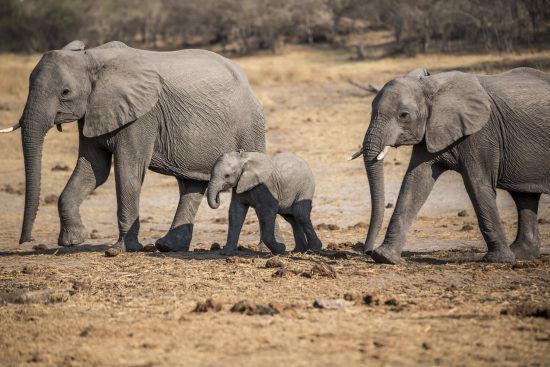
<point x="440" y="307"/>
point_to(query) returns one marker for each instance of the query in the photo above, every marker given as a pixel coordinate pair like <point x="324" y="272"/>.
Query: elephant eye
<point x="404" y="115"/>
<point x="65" y="92"/>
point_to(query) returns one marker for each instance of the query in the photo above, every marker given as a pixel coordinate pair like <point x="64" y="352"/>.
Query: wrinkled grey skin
<point x="281" y="185"/>
<point x="174" y="113"/>
<point x="494" y="130"/>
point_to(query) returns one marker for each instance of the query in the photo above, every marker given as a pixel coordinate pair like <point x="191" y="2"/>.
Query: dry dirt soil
<point x="441" y="306"/>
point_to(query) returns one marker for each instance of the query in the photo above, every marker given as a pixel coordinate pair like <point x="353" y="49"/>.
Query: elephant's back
<point x="297" y="180"/>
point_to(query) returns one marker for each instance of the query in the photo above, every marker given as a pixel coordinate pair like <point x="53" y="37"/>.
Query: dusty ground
<point x="441" y="306"/>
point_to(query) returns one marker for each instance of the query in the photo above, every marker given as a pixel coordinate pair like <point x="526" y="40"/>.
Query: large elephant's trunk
<point x="213" y="196"/>
<point x="373" y="157"/>
<point x="32" y="136"/>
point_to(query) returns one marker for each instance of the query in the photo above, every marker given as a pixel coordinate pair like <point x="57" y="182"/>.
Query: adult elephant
<point x="494" y="130"/>
<point x="172" y="112"/>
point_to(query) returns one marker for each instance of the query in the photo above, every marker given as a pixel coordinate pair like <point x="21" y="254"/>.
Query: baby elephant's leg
<point x="302" y="213"/>
<point x="267" y="215"/>
<point x="237" y="214"/>
<point x="299" y="235"/>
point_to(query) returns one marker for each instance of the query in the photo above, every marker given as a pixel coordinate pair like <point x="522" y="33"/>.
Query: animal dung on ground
<point x="467" y="227"/>
<point x="280" y="273"/>
<point x="391" y="302"/>
<point x="359" y="225"/>
<point x="112" y="252"/>
<point x="371" y="299"/>
<point x="323" y="270"/>
<point x="325" y="226"/>
<point x="330" y="304"/>
<point x="215" y="247"/>
<point x="51" y="199"/>
<point x="8" y="189"/>
<point x="274" y="262"/>
<point x="45" y="296"/>
<point x="543" y="221"/>
<point x="60" y="167"/>
<point x="208" y="305"/>
<point x="389" y="205"/>
<point x="247" y="307"/>
<point x="462" y="213"/>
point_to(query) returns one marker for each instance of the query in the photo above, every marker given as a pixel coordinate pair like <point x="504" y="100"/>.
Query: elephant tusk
<point x="10" y="129"/>
<point x="356" y="154"/>
<point x="383" y="153"/>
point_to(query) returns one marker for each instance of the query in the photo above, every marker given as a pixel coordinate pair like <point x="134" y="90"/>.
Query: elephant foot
<point x="177" y="239"/>
<point x="385" y="255"/>
<point x="70" y="236"/>
<point x="128" y="245"/>
<point x="228" y="251"/>
<point x="499" y="255"/>
<point x="525" y="251"/>
<point x="277" y="248"/>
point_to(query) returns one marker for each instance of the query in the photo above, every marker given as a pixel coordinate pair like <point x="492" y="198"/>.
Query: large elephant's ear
<point x="256" y="170"/>
<point x="126" y="87"/>
<point x="459" y="106"/>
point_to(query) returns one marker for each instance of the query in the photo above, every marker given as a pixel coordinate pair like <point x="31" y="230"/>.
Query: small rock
<point x="389" y="205"/>
<point x="426" y="346"/>
<point x="467" y="227"/>
<point x="112" y="252"/>
<point x="51" y="199"/>
<point x="94" y="236"/>
<point x="371" y="299"/>
<point x="239" y="260"/>
<point x="279" y="273"/>
<point x="149" y="248"/>
<point x="462" y="213"/>
<point x="306" y="274"/>
<point x="215" y="247"/>
<point x="251" y="308"/>
<point x="330" y="304"/>
<point x="86" y="332"/>
<point x="274" y="262"/>
<point x="222" y="220"/>
<point x="359" y="225"/>
<point x="323" y="270"/>
<point x="208" y="305"/>
<point x="543" y="221"/>
<point x="40" y="247"/>
<point x="60" y="167"/>
<point x="391" y="302"/>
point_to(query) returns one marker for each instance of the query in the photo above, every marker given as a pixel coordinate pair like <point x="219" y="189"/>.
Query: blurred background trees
<point x="246" y="26"/>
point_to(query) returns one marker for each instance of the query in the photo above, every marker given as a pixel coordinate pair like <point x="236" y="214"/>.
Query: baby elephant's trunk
<point x="213" y="196"/>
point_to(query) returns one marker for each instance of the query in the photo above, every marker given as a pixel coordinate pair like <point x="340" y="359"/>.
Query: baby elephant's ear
<point x="256" y="171"/>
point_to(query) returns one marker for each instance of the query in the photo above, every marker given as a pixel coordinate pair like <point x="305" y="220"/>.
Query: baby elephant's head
<point x="244" y="170"/>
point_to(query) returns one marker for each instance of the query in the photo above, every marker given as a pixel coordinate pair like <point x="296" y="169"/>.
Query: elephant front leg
<point x="415" y="189"/>
<point x="526" y="244"/>
<point x="91" y="171"/>
<point x="237" y="215"/>
<point x="180" y="234"/>
<point x="129" y="179"/>
<point x="483" y="197"/>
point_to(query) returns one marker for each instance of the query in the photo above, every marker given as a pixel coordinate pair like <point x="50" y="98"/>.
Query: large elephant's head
<point x="106" y="88"/>
<point x="243" y="170"/>
<point x="418" y="109"/>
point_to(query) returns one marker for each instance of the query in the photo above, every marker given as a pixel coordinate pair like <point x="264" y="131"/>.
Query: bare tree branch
<point x="366" y="87"/>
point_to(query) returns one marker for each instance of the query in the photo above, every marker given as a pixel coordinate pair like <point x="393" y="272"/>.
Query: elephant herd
<point x="191" y="114"/>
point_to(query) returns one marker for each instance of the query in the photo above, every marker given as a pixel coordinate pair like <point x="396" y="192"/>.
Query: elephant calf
<point x="281" y="185"/>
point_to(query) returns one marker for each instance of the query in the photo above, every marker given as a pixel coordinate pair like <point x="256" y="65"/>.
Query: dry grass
<point x="135" y="309"/>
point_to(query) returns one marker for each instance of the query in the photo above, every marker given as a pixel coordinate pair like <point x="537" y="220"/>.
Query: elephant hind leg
<point x="92" y="170"/>
<point x="299" y="235"/>
<point x="526" y="244"/>
<point x="180" y="234"/>
<point x="302" y="213"/>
